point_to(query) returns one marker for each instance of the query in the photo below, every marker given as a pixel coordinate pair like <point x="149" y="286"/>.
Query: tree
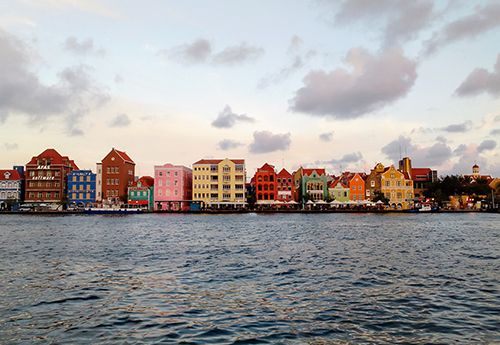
<point x="380" y="196"/>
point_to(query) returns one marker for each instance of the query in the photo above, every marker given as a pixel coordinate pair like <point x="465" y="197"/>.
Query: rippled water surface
<point x="250" y="279"/>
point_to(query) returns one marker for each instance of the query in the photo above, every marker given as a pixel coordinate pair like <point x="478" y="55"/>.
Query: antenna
<point x="400" y="151"/>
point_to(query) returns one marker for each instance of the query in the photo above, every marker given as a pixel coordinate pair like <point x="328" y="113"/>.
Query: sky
<point x="339" y="85"/>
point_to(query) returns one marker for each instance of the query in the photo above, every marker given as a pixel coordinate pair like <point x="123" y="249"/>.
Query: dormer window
<point x="7" y="175"/>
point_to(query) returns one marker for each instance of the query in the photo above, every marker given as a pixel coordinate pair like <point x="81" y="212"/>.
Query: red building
<point x="46" y="177"/>
<point x="285" y="186"/>
<point x="265" y="184"/>
<point x="118" y="171"/>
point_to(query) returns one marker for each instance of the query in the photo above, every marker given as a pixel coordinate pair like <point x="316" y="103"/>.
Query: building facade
<point x="219" y="182"/>
<point x="46" y="177"/>
<point x="357" y="187"/>
<point x="98" y="182"/>
<point x="173" y="187"/>
<point x="265" y="184"/>
<point x="314" y="185"/>
<point x="284" y="186"/>
<point x="339" y="190"/>
<point x="11" y="188"/>
<point x="397" y="187"/>
<point x="118" y="171"/>
<point x="81" y="188"/>
<point x="373" y="182"/>
<point x="141" y="193"/>
<point x="422" y="177"/>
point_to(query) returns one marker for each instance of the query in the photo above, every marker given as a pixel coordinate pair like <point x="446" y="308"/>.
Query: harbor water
<point x="250" y="279"/>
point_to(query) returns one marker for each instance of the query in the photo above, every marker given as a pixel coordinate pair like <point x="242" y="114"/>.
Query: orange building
<point x="357" y="187"/>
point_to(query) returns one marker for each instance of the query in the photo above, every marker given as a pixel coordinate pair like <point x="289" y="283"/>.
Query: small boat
<point x="427" y="207"/>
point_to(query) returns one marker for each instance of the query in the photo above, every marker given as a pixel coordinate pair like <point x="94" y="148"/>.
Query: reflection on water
<point x="246" y="279"/>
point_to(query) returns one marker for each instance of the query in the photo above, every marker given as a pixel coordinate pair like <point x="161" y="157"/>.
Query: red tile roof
<point x="14" y="175"/>
<point x="146" y="181"/>
<point x="266" y="167"/>
<point x="55" y="157"/>
<point x="308" y="172"/>
<point x="337" y="181"/>
<point x="284" y="173"/>
<point x="123" y="155"/>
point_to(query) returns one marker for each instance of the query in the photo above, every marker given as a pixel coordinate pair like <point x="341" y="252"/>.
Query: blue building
<point x="81" y="188"/>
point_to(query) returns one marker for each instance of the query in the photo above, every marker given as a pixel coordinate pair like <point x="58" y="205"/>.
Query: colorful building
<point x="141" y="193"/>
<point x="265" y="184"/>
<point x="397" y="186"/>
<point x="81" y="188"/>
<point x="373" y="182"/>
<point x="98" y="182"/>
<point x="118" y="171"/>
<point x="310" y="184"/>
<point x="284" y="186"/>
<point x="219" y="182"/>
<point x="173" y="187"/>
<point x="356" y="182"/>
<point x="46" y="176"/>
<point x="11" y="188"/>
<point x="339" y="190"/>
<point x="422" y="177"/>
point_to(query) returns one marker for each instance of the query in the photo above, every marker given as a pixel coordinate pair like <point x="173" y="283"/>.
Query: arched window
<point x="266" y="187"/>
<point x="266" y="178"/>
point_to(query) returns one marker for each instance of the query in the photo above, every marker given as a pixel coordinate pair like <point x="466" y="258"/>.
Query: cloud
<point x="265" y="141"/>
<point x="458" y="128"/>
<point x="401" y="20"/>
<point x="348" y="158"/>
<point x="120" y="120"/>
<point x="486" y="145"/>
<point x="467" y="27"/>
<point x="227" y="119"/>
<point x="328" y="136"/>
<point x="480" y="80"/>
<point x="441" y="139"/>
<point x="372" y="83"/>
<point x="201" y="51"/>
<point x="428" y="156"/>
<point x="23" y="93"/>
<point x="84" y="47"/>
<point x="237" y="54"/>
<point x="295" y="44"/>
<point x="118" y="79"/>
<point x="10" y="146"/>
<point x="228" y="144"/>
<point x="495" y="131"/>
<point x="195" y="52"/>
<point x="468" y="155"/>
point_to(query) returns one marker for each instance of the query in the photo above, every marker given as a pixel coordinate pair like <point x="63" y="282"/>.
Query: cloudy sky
<point x="334" y="84"/>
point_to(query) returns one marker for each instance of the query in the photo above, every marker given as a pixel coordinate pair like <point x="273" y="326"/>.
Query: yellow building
<point x="219" y="182"/>
<point x="397" y="187"/>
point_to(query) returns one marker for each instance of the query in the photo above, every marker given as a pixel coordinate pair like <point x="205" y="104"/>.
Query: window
<point x="372" y="183"/>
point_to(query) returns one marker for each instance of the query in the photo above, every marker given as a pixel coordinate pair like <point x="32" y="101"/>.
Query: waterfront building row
<point x="53" y="179"/>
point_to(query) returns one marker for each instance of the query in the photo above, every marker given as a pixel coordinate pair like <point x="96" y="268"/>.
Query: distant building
<point x="397" y="186"/>
<point x="98" y="182"/>
<point x="357" y="186"/>
<point x="373" y="182"/>
<point x="81" y="188"/>
<point x="265" y="184"/>
<point x="141" y="193"/>
<point x="422" y="177"/>
<point x="219" y="182"/>
<point x="476" y="175"/>
<point x="118" y="171"/>
<point x="339" y="190"/>
<point x="11" y="188"/>
<point x="173" y="184"/>
<point x="284" y="186"/>
<point x="310" y="184"/>
<point x="46" y="176"/>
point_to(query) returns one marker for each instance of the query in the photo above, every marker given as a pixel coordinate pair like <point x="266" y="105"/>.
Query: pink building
<point x="173" y="184"/>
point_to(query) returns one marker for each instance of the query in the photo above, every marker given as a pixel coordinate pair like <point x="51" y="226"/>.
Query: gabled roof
<point x="308" y="172"/>
<point x="266" y="167"/>
<point x="14" y="175"/>
<point x="217" y="161"/>
<point x="284" y="173"/>
<point x="334" y="183"/>
<point x="55" y="158"/>
<point x="123" y="155"/>
<point x="146" y="181"/>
